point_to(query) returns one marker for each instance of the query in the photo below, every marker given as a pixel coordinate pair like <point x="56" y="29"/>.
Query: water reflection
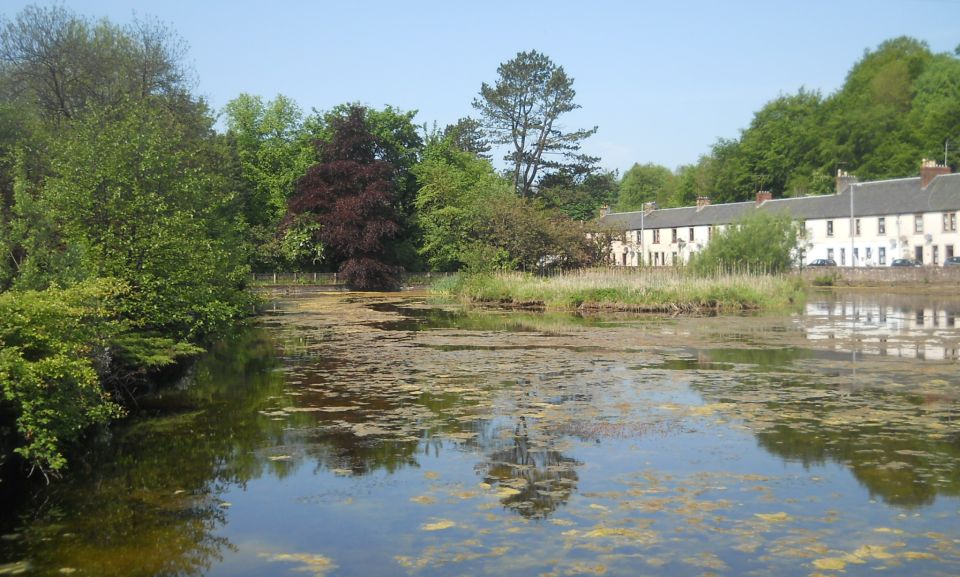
<point x="382" y="434"/>
<point x="915" y="327"/>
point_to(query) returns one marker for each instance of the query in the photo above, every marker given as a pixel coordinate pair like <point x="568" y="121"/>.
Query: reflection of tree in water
<point x="145" y="499"/>
<point x="899" y="450"/>
<point x="535" y="481"/>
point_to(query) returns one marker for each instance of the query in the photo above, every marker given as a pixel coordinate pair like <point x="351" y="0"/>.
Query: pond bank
<point x="614" y="291"/>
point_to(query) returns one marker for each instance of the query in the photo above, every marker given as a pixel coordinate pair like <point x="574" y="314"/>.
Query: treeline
<point x="900" y="103"/>
<point x="129" y="224"/>
<point x="122" y="239"/>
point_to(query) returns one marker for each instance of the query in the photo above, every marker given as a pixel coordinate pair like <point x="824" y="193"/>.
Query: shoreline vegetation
<point x="674" y="291"/>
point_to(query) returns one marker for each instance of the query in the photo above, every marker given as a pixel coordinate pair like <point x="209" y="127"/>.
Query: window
<point x="949" y="222"/>
<point x="856" y="256"/>
<point x="953" y="222"/>
<point x="936" y="254"/>
<point x="918" y="223"/>
<point x="881" y="225"/>
<point x="856" y="227"/>
<point x="656" y="236"/>
<point x="843" y="256"/>
<point x="882" y="255"/>
<point x="639" y="238"/>
<point x="673" y="237"/>
<point x="869" y="254"/>
<point x="829" y="228"/>
<point x="830" y="253"/>
<point x="691" y="234"/>
<point x="710" y="233"/>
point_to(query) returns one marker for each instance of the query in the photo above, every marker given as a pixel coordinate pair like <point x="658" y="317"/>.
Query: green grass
<point x="645" y="290"/>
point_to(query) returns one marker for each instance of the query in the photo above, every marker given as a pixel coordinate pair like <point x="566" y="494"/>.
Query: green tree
<point x="580" y="197"/>
<point x="645" y="183"/>
<point x="522" y="110"/>
<point x="67" y="64"/>
<point x="138" y="200"/>
<point x="759" y="242"/>
<point x="455" y="186"/>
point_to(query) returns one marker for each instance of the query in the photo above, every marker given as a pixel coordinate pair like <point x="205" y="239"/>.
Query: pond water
<point x="365" y="435"/>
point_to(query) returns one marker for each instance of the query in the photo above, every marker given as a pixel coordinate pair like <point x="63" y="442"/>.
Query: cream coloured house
<point x="862" y="224"/>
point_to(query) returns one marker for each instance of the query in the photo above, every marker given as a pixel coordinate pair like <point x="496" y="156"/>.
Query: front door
<point x="918" y="254"/>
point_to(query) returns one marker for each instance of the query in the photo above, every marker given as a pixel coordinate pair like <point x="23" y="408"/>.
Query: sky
<point x="662" y="81"/>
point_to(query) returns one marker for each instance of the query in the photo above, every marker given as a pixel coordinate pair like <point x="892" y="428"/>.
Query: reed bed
<point x="642" y="291"/>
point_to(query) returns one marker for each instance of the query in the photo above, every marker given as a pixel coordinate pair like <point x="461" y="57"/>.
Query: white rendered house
<point x="862" y="224"/>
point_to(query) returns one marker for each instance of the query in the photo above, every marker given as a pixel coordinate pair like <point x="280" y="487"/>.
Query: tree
<point x="135" y="198"/>
<point x="580" y="197"/>
<point x="67" y="64"/>
<point x="455" y="187"/>
<point x="522" y="110"/>
<point x="645" y="183"/>
<point x="467" y="135"/>
<point x="350" y="194"/>
<point x="759" y="242"/>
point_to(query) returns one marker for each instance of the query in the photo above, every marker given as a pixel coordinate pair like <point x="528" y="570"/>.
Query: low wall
<point x="886" y="276"/>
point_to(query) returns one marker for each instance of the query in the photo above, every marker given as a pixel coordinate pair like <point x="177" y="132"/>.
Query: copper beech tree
<point x="351" y="195"/>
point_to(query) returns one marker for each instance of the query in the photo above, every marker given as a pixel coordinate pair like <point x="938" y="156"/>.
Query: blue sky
<point x="662" y="80"/>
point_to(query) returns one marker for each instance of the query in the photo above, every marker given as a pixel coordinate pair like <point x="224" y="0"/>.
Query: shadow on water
<point x="573" y="432"/>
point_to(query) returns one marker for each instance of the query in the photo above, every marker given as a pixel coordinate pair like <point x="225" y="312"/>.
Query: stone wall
<point x="886" y="276"/>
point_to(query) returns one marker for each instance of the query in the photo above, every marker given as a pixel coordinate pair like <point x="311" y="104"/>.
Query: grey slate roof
<point x="878" y="198"/>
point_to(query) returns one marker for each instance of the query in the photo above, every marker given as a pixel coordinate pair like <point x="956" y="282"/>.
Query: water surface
<point x="363" y="435"/>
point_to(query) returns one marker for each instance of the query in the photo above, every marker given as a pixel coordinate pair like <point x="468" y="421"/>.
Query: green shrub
<point x="50" y="343"/>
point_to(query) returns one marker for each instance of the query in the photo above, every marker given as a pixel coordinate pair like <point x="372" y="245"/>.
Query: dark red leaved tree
<point x="351" y="193"/>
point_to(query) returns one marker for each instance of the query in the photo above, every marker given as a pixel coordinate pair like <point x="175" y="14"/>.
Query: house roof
<point x="877" y="198"/>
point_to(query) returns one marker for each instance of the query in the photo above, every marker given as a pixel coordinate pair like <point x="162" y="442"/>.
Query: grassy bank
<point x="643" y="291"/>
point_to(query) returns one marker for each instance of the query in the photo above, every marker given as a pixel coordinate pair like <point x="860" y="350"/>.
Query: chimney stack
<point x="702" y="201"/>
<point x="604" y="210"/>
<point x="763" y="196"/>
<point x="844" y="180"/>
<point x="929" y="169"/>
<point x="649" y="207"/>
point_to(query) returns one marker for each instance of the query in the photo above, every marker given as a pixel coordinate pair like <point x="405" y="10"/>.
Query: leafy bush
<point x="760" y="243"/>
<point x="51" y="344"/>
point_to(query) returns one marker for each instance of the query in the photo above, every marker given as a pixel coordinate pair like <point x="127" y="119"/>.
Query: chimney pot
<point x="929" y="169"/>
<point x="763" y="196"/>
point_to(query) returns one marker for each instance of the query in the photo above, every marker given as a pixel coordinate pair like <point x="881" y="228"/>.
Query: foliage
<point x="454" y="188"/>
<point x="759" y="243"/>
<point x="645" y="183"/>
<point x="471" y="219"/>
<point x="350" y="194"/>
<point x="579" y="196"/>
<point x="66" y="64"/>
<point x="133" y="197"/>
<point x="467" y="135"/>
<point x="522" y="110"/>
<point x="274" y="149"/>
<point x="672" y="291"/>
<point x="50" y="343"/>
<point x="900" y="103"/>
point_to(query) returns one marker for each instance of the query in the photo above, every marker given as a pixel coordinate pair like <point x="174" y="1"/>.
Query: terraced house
<point x="862" y="224"/>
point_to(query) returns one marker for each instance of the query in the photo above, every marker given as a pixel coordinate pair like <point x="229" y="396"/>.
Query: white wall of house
<point x="929" y="237"/>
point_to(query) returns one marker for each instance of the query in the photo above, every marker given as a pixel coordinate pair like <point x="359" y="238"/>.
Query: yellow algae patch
<point x="888" y="530"/>
<point x="873" y="551"/>
<point x="318" y="565"/>
<point x="431" y="475"/>
<point x="830" y="564"/>
<point x="438" y="526"/>
<point x="913" y="555"/>
<point x="423" y="499"/>
<point x="584" y="569"/>
<point x="505" y="492"/>
<point x="562" y="522"/>
<point x="780" y="517"/>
